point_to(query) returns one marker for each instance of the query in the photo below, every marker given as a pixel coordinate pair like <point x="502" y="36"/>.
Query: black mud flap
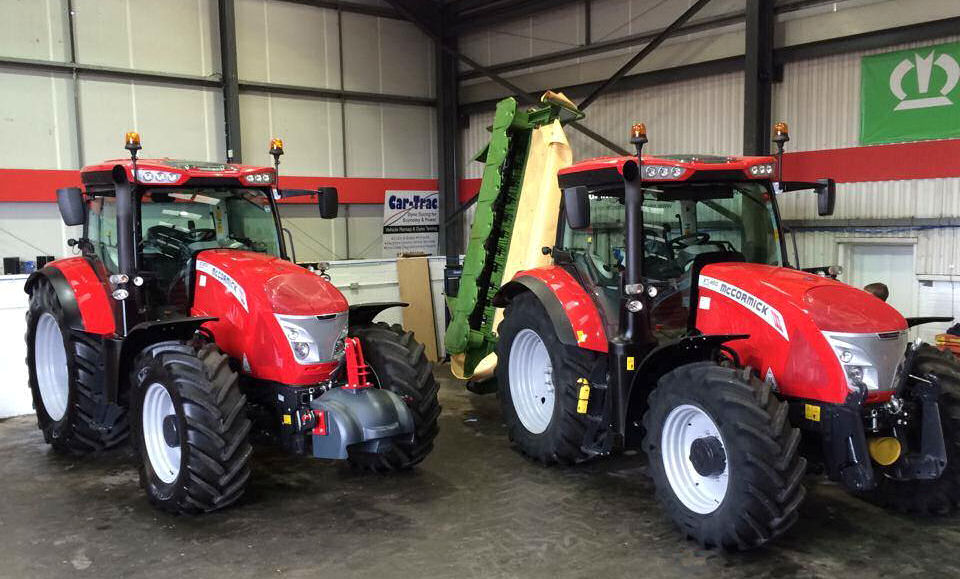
<point x="370" y="417"/>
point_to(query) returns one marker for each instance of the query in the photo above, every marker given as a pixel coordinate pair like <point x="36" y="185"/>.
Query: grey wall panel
<point x="364" y="140"/>
<point x="409" y="135"/>
<point x="366" y="226"/>
<point x="34" y="29"/>
<point x="179" y="38"/>
<point x="36" y="121"/>
<point x="406" y="59"/>
<point x="386" y="55"/>
<point x="31" y="229"/>
<point x="310" y="129"/>
<point x="315" y="239"/>
<point x="287" y="43"/>
<point x="361" y="53"/>
<point x="390" y="141"/>
<point x="173" y="121"/>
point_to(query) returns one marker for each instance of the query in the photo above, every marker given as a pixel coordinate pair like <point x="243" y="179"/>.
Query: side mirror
<point x="826" y="196"/>
<point x="576" y="205"/>
<point x="70" y="202"/>
<point x="328" y="201"/>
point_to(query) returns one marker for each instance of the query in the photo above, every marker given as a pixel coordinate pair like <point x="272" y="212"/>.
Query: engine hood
<point x="271" y="282"/>
<point x="831" y="305"/>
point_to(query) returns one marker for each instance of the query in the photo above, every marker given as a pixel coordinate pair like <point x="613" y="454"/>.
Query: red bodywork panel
<point x="91" y="292"/>
<point x="784" y="311"/>
<point x="580" y="309"/>
<point x="244" y="290"/>
<point x="186" y="169"/>
<point x="690" y="163"/>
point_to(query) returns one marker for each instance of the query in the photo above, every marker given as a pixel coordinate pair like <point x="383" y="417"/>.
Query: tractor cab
<point x="695" y="210"/>
<point x="177" y="209"/>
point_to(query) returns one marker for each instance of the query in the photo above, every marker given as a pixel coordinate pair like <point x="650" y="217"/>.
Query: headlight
<point x="662" y="172"/>
<point x="762" y="170"/>
<point x="857" y="366"/>
<point x="151" y="176"/>
<point x="259" y="178"/>
<point x="301" y="342"/>
<point x="314" y="339"/>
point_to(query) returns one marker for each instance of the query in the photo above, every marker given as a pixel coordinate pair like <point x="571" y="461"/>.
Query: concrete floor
<point x="474" y="508"/>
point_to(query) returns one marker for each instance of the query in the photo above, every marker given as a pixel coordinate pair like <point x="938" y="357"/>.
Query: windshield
<point x="176" y="223"/>
<point x="681" y="222"/>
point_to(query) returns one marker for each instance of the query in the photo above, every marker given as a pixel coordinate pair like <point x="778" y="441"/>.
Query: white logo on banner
<point x="762" y="309"/>
<point x="924" y="67"/>
<point x="228" y="282"/>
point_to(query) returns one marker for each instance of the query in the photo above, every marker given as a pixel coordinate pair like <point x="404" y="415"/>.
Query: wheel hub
<point x="707" y="456"/>
<point x="170" y="435"/>
<point x="50" y="361"/>
<point x="694" y="458"/>
<point x="161" y="438"/>
<point x="531" y="381"/>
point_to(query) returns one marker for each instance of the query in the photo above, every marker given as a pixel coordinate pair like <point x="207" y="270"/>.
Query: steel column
<point x="231" y="82"/>
<point x="448" y="141"/>
<point x="758" y="77"/>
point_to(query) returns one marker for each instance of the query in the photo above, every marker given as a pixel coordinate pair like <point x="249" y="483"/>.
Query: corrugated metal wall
<point x="703" y="115"/>
<point x="279" y="42"/>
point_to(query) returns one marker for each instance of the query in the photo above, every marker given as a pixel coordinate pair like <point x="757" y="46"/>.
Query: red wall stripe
<point x="902" y="161"/>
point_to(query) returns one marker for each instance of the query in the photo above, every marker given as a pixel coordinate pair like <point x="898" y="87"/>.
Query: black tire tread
<point x="566" y="435"/>
<point x="218" y="449"/>
<point x="771" y="468"/>
<point x="81" y="434"/>
<point x="401" y="357"/>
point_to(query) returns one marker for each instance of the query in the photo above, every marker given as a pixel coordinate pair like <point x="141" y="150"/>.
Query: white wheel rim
<point x="531" y="381"/>
<point x="50" y="361"/>
<point x="164" y="458"/>
<point x="685" y="424"/>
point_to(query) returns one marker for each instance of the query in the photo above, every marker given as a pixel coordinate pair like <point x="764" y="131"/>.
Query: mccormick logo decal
<point x="762" y="309"/>
<point x="228" y="282"/>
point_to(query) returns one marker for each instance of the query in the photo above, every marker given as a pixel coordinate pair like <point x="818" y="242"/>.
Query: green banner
<point x="910" y="95"/>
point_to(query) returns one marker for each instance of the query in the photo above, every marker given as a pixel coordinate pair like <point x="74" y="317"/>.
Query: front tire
<point x="723" y="456"/>
<point x="62" y="369"/>
<point x="940" y="496"/>
<point x="190" y="428"/>
<point x="537" y="384"/>
<point x="398" y="364"/>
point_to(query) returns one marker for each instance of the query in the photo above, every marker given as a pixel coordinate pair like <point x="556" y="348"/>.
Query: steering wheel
<point x="696" y="238"/>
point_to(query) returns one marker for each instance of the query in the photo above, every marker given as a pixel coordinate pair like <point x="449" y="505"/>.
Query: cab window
<point x="101" y="230"/>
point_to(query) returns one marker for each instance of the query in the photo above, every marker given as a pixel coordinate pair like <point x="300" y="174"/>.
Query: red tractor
<point x="672" y="319"/>
<point x="183" y="322"/>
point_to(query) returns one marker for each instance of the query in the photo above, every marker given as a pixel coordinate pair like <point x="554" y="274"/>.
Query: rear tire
<point x="190" y="428"/>
<point x="940" y="496"/>
<point x="399" y="365"/>
<point x="63" y="368"/>
<point x="723" y="456"/>
<point x="537" y="384"/>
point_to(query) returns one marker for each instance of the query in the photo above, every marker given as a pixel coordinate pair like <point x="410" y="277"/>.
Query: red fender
<point x="573" y="312"/>
<point x="89" y="291"/>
